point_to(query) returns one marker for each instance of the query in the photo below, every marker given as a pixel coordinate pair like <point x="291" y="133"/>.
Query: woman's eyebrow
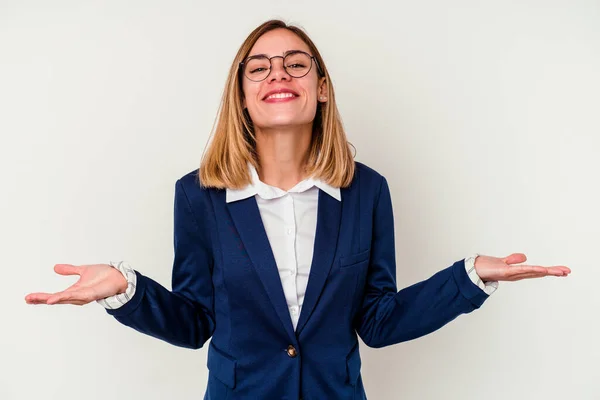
<point x="266" y="55"/>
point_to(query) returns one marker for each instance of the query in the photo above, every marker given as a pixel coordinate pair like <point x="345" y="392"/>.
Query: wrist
<point x="122" y="285"/>
<point x="121" y="280"/>
<point x="475" y="265"/>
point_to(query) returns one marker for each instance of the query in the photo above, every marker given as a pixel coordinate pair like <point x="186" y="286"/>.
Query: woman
<point x="284" y="246"/>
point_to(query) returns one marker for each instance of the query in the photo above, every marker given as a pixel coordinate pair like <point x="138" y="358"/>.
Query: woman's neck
<point x="282" y="155"/>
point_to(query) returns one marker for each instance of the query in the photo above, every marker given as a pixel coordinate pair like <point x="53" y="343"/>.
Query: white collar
<point x="267" y="192"/>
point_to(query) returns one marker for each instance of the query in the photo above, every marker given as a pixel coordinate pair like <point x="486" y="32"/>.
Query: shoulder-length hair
<point x="233" y="146"/>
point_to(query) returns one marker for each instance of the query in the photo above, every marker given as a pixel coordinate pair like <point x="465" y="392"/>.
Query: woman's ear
<point x="322" y="95"/>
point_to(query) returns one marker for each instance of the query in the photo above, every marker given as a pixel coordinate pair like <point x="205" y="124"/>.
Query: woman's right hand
<point x="96" y="281"/>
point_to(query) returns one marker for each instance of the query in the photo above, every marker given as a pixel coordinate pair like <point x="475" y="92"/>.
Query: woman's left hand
<point x="504" y="269"/>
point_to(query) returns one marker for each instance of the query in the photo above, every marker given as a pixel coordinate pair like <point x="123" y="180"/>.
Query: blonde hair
<point x="225" y="163"/>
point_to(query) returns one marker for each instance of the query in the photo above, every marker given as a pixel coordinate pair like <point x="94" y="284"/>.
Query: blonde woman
<point x="284" y="245"/>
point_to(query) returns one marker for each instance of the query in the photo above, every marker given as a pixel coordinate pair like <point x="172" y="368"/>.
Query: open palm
<point x="96" y="281"/>
<point x="505" y="269"/>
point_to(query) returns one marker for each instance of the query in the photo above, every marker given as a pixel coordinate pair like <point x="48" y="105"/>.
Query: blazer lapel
<point x="247" y="220"/>
<point x="329" y="212"/>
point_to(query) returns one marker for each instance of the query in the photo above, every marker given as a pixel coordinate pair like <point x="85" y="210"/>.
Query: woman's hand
<point x="96" y="281"/>
<point x="503" y="269"/>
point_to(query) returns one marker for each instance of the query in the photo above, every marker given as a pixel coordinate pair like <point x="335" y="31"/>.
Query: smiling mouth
<point x="280" y="96"/>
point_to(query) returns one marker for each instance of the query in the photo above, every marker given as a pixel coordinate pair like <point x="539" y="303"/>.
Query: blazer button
<point x="291" y="351"/>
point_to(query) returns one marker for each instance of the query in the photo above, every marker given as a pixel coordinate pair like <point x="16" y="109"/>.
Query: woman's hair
<point x="233" y="146"/>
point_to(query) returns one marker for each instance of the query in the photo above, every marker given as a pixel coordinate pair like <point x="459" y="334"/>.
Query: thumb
<point x="515" y="258"/>
<point x="67" y="269"/>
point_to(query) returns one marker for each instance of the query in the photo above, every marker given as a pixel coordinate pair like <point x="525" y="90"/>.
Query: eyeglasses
<point x="296" y="64"/>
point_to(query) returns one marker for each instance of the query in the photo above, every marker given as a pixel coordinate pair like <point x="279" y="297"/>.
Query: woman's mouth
<point x="280" y="97"/>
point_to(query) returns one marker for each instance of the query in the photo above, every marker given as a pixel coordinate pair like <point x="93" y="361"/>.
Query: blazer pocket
<point x="353" y="364"/>
<point x="221" y="366"/>
<point x="354" y="259"/>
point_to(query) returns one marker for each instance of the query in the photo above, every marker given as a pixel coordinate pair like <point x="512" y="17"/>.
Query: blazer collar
<point x="267" y="192"/>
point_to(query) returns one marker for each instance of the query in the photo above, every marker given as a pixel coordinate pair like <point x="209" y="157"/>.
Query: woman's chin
<point x="281" y="123"/>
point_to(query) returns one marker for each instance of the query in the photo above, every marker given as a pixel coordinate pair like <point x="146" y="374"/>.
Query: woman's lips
<point x="280" y="95"/>
<point x="280" y="99"/>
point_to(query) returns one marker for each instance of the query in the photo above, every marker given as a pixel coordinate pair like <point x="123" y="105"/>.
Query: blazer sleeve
<point x="184" y="316"/>
<point x="388" y="316"/>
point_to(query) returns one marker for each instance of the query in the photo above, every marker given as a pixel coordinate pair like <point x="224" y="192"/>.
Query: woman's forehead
<point x="277" y="43"/>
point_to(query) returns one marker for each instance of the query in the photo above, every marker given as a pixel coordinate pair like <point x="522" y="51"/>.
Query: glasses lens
<point x="257" y="69"/>
<point x="297" y="64"/>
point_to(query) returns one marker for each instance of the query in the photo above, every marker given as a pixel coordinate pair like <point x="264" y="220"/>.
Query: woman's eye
<point x="296" y="66"/>
<point x="258" y="70"/>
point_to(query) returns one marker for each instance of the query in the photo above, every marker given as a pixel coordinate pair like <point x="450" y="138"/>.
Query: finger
<point x="563" y="268"/>
<point x="515" y="258"/>
<point x="62" y="296"/>
<point x="35" y="301"/>
<point x="556" y="270"/>
<point x="529" y="275"/>
<point x="36" y="298"/>
<point x="70" y="296"/>
<point x="73" y="302"/>
<point x="67" y="269"/>
<point x="520" y="269"/>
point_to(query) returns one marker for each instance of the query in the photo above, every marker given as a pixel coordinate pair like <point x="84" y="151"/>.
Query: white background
<point x="484" y="117"/>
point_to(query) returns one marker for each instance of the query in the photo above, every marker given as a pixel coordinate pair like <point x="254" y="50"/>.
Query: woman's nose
<point x="278" y="72"/>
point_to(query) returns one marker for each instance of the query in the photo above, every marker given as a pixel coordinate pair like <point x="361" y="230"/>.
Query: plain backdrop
<point x="483" y="116"/>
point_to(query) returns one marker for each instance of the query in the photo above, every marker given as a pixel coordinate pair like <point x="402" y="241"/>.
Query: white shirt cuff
<point x="118" y="300"/>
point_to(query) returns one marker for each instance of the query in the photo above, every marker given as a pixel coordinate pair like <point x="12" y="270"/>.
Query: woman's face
<point x="297" y="102"/>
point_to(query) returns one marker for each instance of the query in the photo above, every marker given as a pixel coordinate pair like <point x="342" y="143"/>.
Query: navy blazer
<point x="226" y="286"/>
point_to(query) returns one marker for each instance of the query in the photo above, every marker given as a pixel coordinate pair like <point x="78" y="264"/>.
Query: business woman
<point x="284" y="245"/>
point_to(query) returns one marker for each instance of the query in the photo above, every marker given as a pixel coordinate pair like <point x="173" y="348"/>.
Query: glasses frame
<point x="312" y="58"/>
